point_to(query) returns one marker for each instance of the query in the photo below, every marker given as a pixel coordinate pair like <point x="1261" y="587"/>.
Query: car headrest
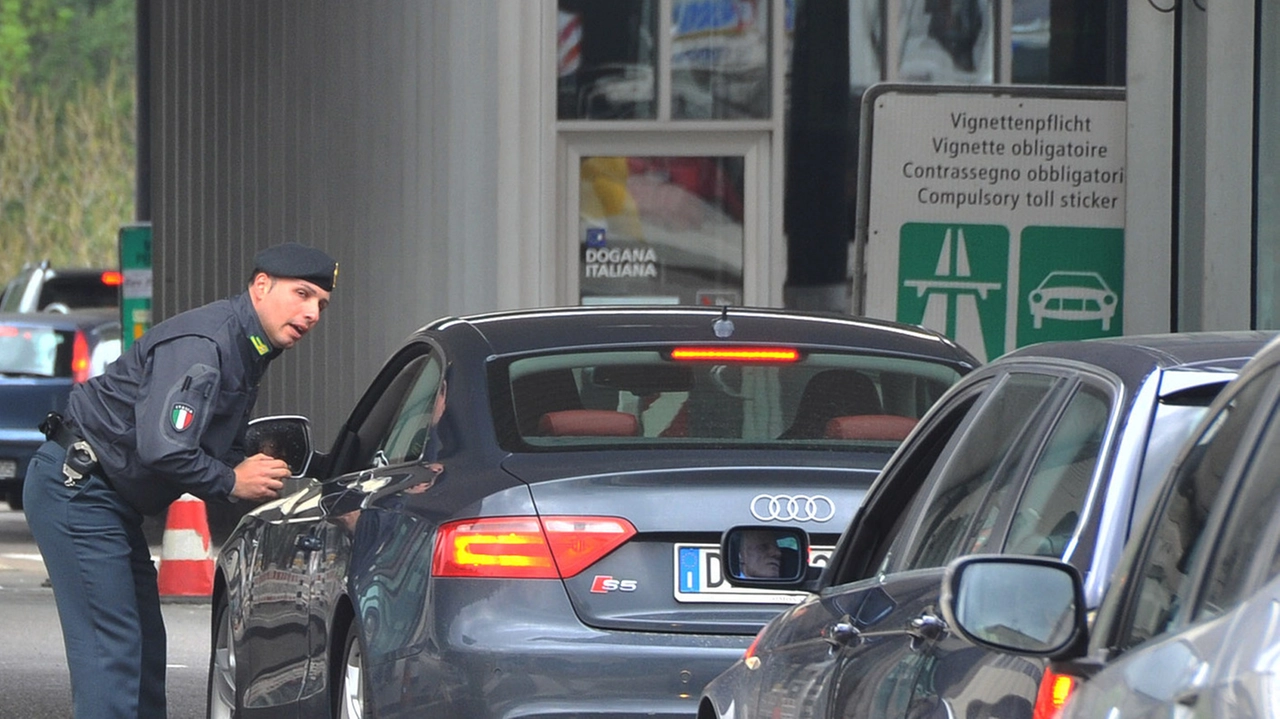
<point x="832" y="393"/>
<point x="870" y="426"/>
<point x="588" y="423"/>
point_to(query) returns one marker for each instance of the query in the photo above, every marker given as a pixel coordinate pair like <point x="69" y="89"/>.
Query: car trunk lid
<point x="667" y="577"/>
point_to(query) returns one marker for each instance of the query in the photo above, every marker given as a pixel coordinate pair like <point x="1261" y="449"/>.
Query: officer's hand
<point x="259" y="478"/>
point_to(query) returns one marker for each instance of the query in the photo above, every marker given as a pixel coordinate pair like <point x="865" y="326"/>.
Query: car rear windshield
<point x="654" y="398"/>
<point x="35" y="351"/>
<point x="79" y="290"/>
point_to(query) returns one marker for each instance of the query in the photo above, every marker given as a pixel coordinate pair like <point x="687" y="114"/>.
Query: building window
<point x="720" y="59"/>
<point x="607" y="60"/>
<point x="661" y="230"/>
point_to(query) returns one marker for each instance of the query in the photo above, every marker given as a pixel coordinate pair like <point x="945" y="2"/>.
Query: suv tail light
<point x="526" y="547"/>
<point x="1054" y="690"/>
<point x="113" y="278"/>
<point x="79" y="359"/>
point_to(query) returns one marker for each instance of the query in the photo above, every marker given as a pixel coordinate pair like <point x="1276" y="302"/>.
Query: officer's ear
<point x="260" y="283"/>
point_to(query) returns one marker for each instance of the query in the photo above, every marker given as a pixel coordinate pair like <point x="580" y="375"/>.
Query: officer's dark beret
<point x="299" y="261"/>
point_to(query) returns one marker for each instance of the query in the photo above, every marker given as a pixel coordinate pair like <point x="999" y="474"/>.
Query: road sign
<point x="954" y="278"/>
<point x="135" y="265"/>
<point x="1076" y="280"/>
<point x="994" y="214"/>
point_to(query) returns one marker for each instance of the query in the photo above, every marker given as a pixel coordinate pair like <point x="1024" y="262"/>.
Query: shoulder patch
<point x="181" y="416"/>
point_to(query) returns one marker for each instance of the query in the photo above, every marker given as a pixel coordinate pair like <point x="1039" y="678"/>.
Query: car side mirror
<point x="286" y="437"/>
<point x="765" y="557"/>
<point x="1030" y="606"/>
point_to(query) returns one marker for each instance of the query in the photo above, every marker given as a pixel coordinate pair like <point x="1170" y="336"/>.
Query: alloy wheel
<point x="222" y="668"/>
<point x="351" y="689"/>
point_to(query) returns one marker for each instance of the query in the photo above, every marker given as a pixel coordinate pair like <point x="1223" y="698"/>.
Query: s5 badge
<point x="604" y="584"/>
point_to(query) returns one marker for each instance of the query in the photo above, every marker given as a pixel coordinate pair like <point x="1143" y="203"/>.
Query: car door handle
<point x="841" y="633"/>
<point x="927" y="626"/>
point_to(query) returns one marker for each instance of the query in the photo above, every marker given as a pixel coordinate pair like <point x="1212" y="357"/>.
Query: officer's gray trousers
<point x="104" y="583"/>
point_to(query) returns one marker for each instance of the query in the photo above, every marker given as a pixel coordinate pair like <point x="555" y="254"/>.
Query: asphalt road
<point x="34" y="683"/>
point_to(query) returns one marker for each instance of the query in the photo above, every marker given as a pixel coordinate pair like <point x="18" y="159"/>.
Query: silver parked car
<point x="1190" y="626"/>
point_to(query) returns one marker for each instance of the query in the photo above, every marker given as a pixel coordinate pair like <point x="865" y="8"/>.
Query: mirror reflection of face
<point x="760" y="555"/>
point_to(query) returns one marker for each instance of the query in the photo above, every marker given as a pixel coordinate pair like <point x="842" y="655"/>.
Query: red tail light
<point x="735" y="354"/>
<point x="526" y="547"/>
<point x="751" y="650"/>
<point x="112" y="278"/>
<point x="79" y="359"/>
<point x="1054" y="690"/>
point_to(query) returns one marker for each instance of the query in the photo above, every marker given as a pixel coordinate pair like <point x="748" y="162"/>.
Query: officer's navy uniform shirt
<point x="168" y="417"/>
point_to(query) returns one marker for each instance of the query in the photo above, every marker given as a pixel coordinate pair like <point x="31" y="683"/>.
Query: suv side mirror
<point x="1031" y="606"/>
<point x="765" y="557"/>
<point x="286" y="437"/>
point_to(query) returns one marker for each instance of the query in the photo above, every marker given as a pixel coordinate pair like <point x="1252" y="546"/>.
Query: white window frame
<point x="758" y="141"/>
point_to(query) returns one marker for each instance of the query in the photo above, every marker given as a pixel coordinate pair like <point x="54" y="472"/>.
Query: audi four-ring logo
<point x="788" y="508"/>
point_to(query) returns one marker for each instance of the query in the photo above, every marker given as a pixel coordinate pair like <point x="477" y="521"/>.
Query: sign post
<point x="994" y="214"/>
<point x="135" y="296"/>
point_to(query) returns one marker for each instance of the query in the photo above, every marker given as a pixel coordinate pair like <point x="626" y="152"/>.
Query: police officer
<point x="167" y="418"/>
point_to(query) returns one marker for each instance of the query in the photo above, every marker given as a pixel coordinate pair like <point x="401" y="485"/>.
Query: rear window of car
<point x="659" y="398"/>
<point x="35" y="351"/>
<point x="79" y="291"/>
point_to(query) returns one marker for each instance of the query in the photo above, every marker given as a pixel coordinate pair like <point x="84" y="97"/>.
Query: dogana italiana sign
<point x="994" y="214"/>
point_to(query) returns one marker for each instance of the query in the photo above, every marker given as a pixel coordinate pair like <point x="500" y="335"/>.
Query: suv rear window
<point x="43" y="288"/>
<point x="79" y="290"/>
<point x="650" y="397"/>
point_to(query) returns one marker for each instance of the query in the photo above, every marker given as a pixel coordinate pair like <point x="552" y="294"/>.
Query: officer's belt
<point x="66" y="439"/>
<point x="63" y="436"/>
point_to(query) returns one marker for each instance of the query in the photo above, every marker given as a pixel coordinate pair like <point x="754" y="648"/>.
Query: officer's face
<point x="287" y="308"/>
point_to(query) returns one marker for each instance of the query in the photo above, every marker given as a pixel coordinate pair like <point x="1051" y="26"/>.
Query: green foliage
<point x="67" y="130"/>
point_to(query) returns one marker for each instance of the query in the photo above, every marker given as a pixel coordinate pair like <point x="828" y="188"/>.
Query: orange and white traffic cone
<point x="186" y="564"/>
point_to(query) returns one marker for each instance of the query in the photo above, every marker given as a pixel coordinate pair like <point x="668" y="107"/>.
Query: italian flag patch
<point x="182" y="416"/>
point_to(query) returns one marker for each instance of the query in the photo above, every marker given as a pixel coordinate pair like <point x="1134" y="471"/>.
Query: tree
<point x="67" y="130"/>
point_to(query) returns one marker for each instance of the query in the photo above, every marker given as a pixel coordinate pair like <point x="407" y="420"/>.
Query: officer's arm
<point x="179" y="394"/>
<point x="236" y="454"/>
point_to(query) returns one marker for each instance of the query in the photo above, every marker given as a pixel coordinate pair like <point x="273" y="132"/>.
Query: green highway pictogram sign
<point x="135" y="295"/>
<point x="1071" y="283"/>
<point x="954" y="278"/>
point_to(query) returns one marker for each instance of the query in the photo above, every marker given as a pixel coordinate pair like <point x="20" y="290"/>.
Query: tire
<point x="15" y="499"/>
<point x="350" y="699"/>
<point x="223" y="702"/>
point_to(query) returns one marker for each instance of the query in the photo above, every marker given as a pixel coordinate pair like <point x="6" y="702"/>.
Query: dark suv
<point x="1189" y="626"/>
<point x="41" y="287"/>
<point x="1051" y="450"/>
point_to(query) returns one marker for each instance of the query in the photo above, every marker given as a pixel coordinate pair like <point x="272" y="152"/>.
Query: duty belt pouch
<point x="81" y="459"/>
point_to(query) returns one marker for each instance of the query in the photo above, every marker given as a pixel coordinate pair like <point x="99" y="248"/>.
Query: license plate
<point x="8" y="468"/>
<point x="700" y="578"/>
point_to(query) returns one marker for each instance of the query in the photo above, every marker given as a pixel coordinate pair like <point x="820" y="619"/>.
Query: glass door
<point x="670" y="220"/>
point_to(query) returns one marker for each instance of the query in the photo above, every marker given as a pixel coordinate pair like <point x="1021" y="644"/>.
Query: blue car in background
<point x="42" y="355"/>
